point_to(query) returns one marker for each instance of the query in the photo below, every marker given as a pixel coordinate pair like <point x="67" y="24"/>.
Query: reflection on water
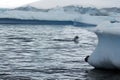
<point x="30" y="53"/>
<point x="95" y="74"/>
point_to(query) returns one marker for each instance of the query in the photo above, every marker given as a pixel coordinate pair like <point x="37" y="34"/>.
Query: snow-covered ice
<point x="55" y="15"/>
<point x="107" y="52"/>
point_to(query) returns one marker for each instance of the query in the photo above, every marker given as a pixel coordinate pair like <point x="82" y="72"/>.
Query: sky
<point x="14" y="3"/>
<point x="54" y="3"/>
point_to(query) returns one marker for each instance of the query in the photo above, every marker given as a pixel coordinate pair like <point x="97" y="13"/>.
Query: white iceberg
<point x="107" y="52"/>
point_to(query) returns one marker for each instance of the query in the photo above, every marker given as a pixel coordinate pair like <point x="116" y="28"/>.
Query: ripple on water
<point x="29" y="52"/>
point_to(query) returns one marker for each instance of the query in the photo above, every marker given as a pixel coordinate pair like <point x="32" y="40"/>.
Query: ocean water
<point x="29" y="52"/>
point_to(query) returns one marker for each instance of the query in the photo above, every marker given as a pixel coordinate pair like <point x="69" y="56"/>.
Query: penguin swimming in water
<point x="75" y="39"/>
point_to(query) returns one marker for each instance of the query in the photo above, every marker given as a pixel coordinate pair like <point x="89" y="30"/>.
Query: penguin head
<point x="86" y="58"/>
<point x="76" y="37"/>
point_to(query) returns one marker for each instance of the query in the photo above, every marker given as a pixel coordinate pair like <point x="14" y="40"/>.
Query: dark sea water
<point x="29" y="52"/>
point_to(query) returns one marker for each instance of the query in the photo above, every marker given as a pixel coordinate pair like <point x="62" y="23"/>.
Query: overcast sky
<point x="53" y="3"/>
<point x="14" y="3"/>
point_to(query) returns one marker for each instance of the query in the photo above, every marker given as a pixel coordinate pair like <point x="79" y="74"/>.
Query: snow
<point x="38" y="15"/>
<point x="108" y="28"/>
<point x="95" y="19"/>
<point x="107" y="52"/>
<point x="55" y="14"/>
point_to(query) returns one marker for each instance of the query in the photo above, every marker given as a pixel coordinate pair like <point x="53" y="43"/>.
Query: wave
<point x="42" y="22"/>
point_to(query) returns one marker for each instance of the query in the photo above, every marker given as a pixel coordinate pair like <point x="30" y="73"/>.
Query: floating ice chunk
<point x="107" y="52"/>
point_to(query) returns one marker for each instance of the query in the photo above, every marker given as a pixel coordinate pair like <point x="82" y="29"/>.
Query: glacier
<point x="42" y="22"/>
<point x="58" y="14"/>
